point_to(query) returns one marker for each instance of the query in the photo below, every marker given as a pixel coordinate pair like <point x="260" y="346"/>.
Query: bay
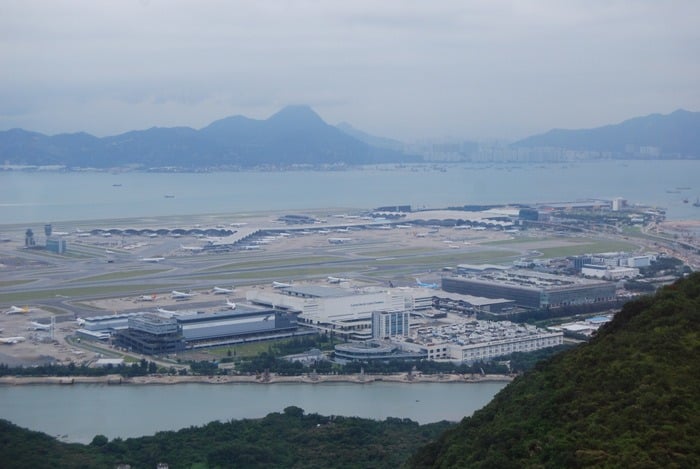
<point x="79" y="412"/>
<point x="40" y="197"/>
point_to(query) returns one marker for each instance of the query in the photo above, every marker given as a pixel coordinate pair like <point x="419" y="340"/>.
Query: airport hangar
<point x="532" y="289"/>
<point x="157" y="333"/>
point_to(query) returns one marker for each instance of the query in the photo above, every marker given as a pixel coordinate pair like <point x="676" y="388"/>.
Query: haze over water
<point x="39" y="197"/>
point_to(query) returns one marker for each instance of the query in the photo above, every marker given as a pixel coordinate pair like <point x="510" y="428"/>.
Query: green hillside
<point x="629" y="398"/>
<point x="291" y="439"/>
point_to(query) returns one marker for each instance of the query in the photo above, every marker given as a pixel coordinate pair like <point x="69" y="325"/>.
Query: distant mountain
<point x="675" y="134"/>
<point x="628" y="398"/>
<point x="380" y="142"/>
<point x="296" y="135"/>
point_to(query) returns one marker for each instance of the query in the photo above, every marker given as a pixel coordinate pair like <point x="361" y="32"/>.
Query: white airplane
<point x="80" y="321"/>
<point x="281" y="285"/>
<point x="323" y="231"/>
<point x="165" y="311"/>
<point x="426" y="285"/>
<point x="18" y="310"/>
<point x="192" y="248"/>
<point x="230" y="304"/>
<point x="147" y="297"/>
<point x="12" y="340"/>
<point x="37" y="326"/>
<point x="152" y="259"/>
<point x="178" y="295"/>
<point x="221" y="291"/>
<point x="251" y="248"/>
<point x="336" y="279"/>
<point x="339" y="240"/>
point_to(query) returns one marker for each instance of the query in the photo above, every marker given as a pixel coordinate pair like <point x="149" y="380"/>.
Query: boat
<point x="685" y="200"/>
<point x="697" y="202"/>
<point x="169" y="196"/>
<point x="116" y="185"/>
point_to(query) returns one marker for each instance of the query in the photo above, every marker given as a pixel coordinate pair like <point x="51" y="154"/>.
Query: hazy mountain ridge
<point x="629" y="398"/>
<point x="675" y="134"/>
<point x="296" y="135"/>
<point x="374" y="140"/>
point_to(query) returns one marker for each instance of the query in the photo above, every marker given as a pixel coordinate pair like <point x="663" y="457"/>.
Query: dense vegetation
<point x="141" y="368"/>
<point x="628" y="398"/>
<point x="291" y="440"/>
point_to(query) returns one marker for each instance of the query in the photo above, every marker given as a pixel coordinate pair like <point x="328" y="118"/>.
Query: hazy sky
<point x="407" y="70"/>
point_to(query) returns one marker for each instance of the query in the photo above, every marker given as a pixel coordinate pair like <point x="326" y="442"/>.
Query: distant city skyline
<point x="404" y="70"/>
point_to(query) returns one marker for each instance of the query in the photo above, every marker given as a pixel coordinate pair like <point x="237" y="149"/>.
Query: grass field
<point x="120" y="275"/>
<point x="11" y="283"/>
<point x="273" y="263"/>
<point x="71" y="292"/>
<point x="595" y="246"/>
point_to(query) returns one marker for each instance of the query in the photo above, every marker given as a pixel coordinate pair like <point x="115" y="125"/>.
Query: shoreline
<point x="253" y="379"/>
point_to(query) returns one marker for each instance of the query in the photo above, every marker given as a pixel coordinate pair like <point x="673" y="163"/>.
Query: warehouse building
<point x="532" y="289"/>
<point x="158" y="334"/>
<point x="317" y="305"/>
<point x="233" y="326"/>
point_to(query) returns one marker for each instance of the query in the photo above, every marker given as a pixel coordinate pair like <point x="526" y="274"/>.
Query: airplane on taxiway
<point x="12" y="340"/>
<point x="426" y="285"/>
<point x="339" y="240"/>
<point x="37" y="326"/>
<point x="18" y="310"/>
<point x="147" y="297"/>
<point x="336" y="279"/>
<point x="281" y="285"/>
<point x="230" y="304"/>
<point x="221" y="291"/>
<point x="152" y="259"/>
<point x="192" y="248"/>
<point x="178" y="295"/>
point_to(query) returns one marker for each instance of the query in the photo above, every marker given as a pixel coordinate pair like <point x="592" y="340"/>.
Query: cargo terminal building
<point x="156" y="334"/>
<point x="343" y="311"/>
<point x="532" y="289"/>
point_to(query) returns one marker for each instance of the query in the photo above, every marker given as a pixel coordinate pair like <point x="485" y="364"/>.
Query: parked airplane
<point x="178" y="295"/>
<point x="147" y="297"/>
<point x="336" y="279"/>
<point x="152" y="259"/>
<point x="12" y="340"/>
<point x="18" y="310"/>
<point x="37" y="326"/>
<point x="80" y="321"/>
<point x="426" y="285"/>
<point x="281" y="285"/>
<point x="221" y="291"/>
<point x="339" y="240"/>
<point x="165" y="311"/>
<point x="192" y="248"/>
<point x="230" y="304"/>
